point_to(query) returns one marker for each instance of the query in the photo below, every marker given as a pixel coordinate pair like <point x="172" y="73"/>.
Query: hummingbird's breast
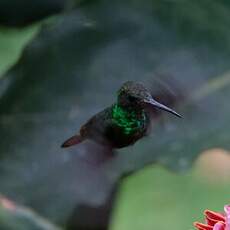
<point x="126" y="127"/>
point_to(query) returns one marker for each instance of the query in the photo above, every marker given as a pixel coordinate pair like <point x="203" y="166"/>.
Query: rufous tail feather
<point x="74" y="140"/>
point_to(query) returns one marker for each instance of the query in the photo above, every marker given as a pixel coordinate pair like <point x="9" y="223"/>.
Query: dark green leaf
<point x="73" y="69"/>
<point x="12" y="42"/>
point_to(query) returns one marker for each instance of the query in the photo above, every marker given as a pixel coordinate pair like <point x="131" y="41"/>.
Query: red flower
<point x="215" y="220"/>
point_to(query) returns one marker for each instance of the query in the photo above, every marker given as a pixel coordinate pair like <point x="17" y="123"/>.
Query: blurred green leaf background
<point x="158" y="199"/>
<point x="12" y="42"/>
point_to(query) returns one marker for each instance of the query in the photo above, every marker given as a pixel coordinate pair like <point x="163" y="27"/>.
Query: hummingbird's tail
<point x="74" y="140"/>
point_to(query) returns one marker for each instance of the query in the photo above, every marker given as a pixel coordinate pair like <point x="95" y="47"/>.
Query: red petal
<point x="213" y="217"/>
<point x="201" y="226"/>
<point x="210" y="221"/>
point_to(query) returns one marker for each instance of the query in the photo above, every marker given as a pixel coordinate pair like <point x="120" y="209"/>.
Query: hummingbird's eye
<point x="131" y="98"/>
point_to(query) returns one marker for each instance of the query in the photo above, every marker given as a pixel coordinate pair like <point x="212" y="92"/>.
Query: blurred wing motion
<point x="166" y="90"/>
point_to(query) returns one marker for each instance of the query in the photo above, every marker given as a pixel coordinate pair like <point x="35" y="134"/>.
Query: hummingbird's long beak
<point x="156" y="104"/>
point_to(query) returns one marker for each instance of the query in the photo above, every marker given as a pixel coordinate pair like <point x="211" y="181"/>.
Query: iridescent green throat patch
<point x="129" y="121"/>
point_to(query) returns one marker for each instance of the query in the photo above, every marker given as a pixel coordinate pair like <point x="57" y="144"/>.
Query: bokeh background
<point x="61" y="61"/>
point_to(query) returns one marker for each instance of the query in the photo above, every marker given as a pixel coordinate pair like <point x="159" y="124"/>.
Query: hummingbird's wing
<point x="94" y="129"/>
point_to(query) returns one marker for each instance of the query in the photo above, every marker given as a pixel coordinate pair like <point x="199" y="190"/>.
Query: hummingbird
<point x="124" y="122"/>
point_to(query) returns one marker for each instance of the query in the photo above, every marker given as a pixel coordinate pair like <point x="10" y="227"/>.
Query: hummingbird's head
<point x="135" y="95"/>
